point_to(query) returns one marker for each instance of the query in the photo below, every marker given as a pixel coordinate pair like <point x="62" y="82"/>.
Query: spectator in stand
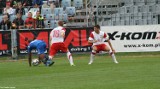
<point x="45" y="5"/>
<point x="52" y="5"/>
<point x="30" y="22"/>
<point x="57" y="3"/>
<point x="2" y="5"/>
<point x="20" y="9"/>
<point x="39" y="20"/>
<point x="5" y="23"/>
<point x="18" y="23"/>
<point x="27" y="3"/>
<point x="38" y="4"/>
<point x="8" y="9"/>
<point x="14" y="3"/>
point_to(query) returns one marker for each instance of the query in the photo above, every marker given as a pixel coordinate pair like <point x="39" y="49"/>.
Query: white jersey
<point x="56" y="35"/>
<point x="100" y="38"/>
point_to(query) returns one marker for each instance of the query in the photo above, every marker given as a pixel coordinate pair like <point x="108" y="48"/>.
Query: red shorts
<point x="55" y="47"/>
<point x="100" y="47"/>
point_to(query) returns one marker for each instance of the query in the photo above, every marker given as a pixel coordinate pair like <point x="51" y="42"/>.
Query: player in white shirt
<point x="57" y="42"/>
<point x="98" y="38"/>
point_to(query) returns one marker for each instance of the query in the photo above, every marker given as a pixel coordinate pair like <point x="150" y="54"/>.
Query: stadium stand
<point x="134" y="12"/>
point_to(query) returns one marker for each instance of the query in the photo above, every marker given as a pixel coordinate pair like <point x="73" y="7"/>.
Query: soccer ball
<point x="35" y="62"/>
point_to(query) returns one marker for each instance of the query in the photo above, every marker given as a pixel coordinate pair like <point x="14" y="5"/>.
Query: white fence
<point x="142" y="38"/>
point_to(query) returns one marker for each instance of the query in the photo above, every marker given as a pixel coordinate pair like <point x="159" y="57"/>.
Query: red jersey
<point x="30" y="22"/>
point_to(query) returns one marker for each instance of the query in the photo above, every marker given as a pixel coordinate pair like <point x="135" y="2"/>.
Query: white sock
<point x="50" y="57"/>
<point x="113" y="57"/>
<point x="69" y="56"/>
<point x="92" y="57"/>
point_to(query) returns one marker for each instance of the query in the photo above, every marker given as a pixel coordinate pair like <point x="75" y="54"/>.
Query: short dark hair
<point x="60" y="23"/>
<point x="97" y="26"/>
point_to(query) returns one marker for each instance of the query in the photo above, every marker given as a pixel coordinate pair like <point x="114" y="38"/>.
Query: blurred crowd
<point x="15" y="13"/>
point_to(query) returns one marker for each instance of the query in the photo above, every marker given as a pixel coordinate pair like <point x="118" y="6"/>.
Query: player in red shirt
<point x="98" y="38"/>
<point x="57" y="42"/>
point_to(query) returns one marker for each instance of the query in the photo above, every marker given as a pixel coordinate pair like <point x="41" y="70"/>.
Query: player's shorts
<point x="100" y="47"/>
<point x="41" y="48"/>
<point x="55" y="47"/>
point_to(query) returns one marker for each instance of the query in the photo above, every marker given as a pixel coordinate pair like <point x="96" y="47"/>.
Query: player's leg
<point x="41" y="52"/>
<point x="52" y="52"/>
<point x="69" y="55"/>
<point x="42" y="56"/>
<point x="93" y="53"/>
<point x="106" y="48"/>
<point x="70" y="58"/>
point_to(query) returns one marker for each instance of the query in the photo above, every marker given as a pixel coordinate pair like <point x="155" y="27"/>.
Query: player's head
<point x="96" y="28"/>
<point x="60" y="23"/>
<point x="31" y="39"/>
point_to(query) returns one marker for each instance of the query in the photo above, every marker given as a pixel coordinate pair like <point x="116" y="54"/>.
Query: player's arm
<point x="62" y="33"/>
<point x="106" y="39"/>
<point x="29" y="56"/>
<point x="111" y="46"/>
<point x="91" y="39"/>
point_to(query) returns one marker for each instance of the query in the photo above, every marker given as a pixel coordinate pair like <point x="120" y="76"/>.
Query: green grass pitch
<point x="135" y="71"/>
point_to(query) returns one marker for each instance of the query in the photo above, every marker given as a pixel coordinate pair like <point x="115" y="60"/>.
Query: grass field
<point x="134" y="71"/>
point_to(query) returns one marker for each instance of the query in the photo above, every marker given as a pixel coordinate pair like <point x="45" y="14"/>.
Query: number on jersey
<point x="56" y="33"/>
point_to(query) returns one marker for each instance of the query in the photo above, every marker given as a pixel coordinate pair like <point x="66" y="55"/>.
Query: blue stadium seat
<point x="71" y="11"/>
<point x="139" y="2"/>
<point x="24" y="17"/>
<point x="127" y="16"/>
<point x="152" y="8"/>
<point x="129" y="2"/>
<point x="157" y="8"/>
<point x="26" y="10"/>
<point x="139" y="16"/>
<point x="151" y="2"/>
<point x="12" y="17"/>
<point x="50" y="24"/>
<point x="46" y="24"/>
<point x="50" y="16"/>
<point x="78" y="4"/>
<point x="58" y="11"/>
<point x="122" y="10"/>
<point x="66" y="3"/>
<point x="34" y="9"/>
<point x="53" y="24"/>
<point x="63" y="17"/>
<point x="46" y="11"/>
<point x="135" y="9"/>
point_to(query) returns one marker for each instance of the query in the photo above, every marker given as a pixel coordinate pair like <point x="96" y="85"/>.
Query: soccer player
<point x="57" y="42"/>
<point x="41" y="48"/>
<point x="98" y="38"/>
